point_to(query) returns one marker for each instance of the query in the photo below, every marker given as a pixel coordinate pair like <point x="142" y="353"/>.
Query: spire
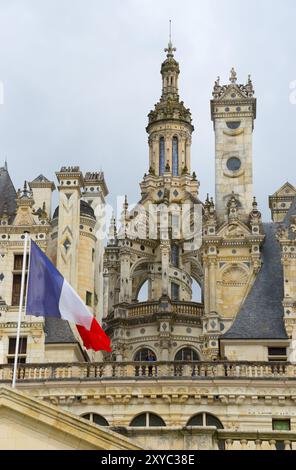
<point x="112" y="235"/>
<point x="170" y="49"/>
<point x="170" y="71"/>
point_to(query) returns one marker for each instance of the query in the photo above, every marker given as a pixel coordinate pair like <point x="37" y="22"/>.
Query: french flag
<point x="50" y="295"/>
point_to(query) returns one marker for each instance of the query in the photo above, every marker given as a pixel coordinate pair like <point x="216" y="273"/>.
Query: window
<point x="186" y="354"/>
<point x="97" y="419"/>
<point x="92" y="254"/>
<point x="233" y="124"/>
<point x="17" y="278"/>
<point x="205" y="419"/>
<point x="233" y="164"/>
<point x="277" y="354"/>
<point x="18" y="262"/>
<point x="22" y="350"/>
<point x="176" y="229"/>
<point x="175" y="291"/>
<point x="281" y="425"/>
<point x="175" y="156"/>
<point x="88" y="298"/>
<point x="161" y="156"/>
<point x="175" y="256"/>
<point x="145" y="354"/>
<point x="147" y="420"/>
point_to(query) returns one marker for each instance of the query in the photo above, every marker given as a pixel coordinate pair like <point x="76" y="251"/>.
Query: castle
<point x="214" y="372"/>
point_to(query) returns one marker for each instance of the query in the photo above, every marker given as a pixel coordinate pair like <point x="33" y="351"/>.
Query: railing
<point x="143" y="308"/>
<point x="150" y="308"/>
<point x="188" y="308"/>
<point x="150" y="370"/>
<point x="245" y="440"/>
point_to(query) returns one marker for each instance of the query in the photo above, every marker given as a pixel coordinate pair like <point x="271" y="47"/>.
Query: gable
<point x="286" y="190"/>
<point x="235" y="229"/>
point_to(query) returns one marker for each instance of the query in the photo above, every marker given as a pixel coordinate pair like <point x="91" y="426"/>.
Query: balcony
<point x="140" y="309"/>
<point x="150" y="371"/>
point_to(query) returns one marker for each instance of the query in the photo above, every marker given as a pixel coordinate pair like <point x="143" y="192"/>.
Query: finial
<point x="233" y="75"/>
<point x="5" y="164"/>
<point x="170" y="49"/>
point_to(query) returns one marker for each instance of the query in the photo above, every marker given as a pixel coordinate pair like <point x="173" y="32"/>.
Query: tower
<point x="169" y="126"/>
<point x="154" y="245"/>
<point x="95" y="191"/>
<point x="233" y="110"/>
<point x="70" y="182"/>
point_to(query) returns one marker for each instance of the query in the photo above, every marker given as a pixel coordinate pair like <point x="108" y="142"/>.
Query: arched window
<point x="145" y="354"/>
<point x="95" y="418"/>
<point x="196" y="292"/>
<point x="175" y="256"/>
<point x="143" y="292"/>
<point x="161" y="156"/>
<point x="175" y="291"/>
<point x="187" y="354"/>
<point x="147" y="420"/>
<point x="205" y="419"/>
<point x="175" y="156"/>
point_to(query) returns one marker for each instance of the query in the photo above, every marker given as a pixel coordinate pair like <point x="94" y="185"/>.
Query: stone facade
<point x="184" y="373"/>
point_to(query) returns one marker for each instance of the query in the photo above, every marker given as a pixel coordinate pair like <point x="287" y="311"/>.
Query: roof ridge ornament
<point x="233" y="76"/>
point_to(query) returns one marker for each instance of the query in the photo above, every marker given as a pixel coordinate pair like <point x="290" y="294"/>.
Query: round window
<point x="233" y="164"/>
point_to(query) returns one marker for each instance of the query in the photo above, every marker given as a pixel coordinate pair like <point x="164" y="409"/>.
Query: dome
<point x="85" y="210"/>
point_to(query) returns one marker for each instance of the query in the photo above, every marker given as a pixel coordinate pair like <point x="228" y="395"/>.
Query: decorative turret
<point x="233" y="110"/>
<point x="42" y="190"/>
<point x="170" y="124"/>
<point x="112" y="234"/>
<point x="24" y="204"/>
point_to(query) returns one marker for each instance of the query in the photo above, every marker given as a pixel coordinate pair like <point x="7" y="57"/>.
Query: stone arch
<point x="235" y="275"/>
<point x="145" y="349"/>
<point x="205" y="419"/>
<point x="147" y="419"/>
<point x="95" y="418"/>
<point x="182" y="353"/>
<point x="139" y="275"/>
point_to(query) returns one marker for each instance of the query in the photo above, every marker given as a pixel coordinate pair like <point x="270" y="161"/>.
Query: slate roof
<point x="7" y="194"/>
<point x="261" y="316"/>
<point x="41" y="179"/>
<point x="85" y="210"/>
<point x="58" y="331"/>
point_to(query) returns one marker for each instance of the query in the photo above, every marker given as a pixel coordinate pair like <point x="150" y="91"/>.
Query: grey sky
<point x="80" y="77"/>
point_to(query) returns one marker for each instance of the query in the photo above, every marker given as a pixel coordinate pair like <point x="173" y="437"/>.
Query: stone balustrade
<point x="246" y="440"/>
<point x="150" y="308"/>
<point x="150" y="370"/>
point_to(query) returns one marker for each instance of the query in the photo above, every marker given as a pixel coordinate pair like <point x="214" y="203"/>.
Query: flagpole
<point x="20" y="311"/>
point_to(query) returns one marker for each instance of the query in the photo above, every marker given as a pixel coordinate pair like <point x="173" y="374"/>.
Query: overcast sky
<point x="80" y="77"/>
